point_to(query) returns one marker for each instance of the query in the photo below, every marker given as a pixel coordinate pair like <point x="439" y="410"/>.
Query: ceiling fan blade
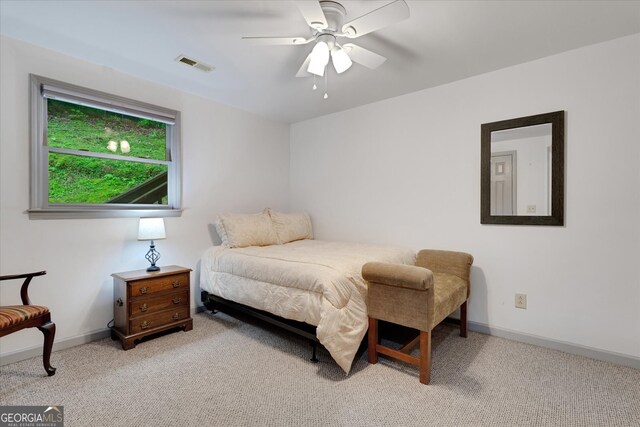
<point x="363" y="56"/>
<point x="313" y="14"/>
<point x="302" y="72"/>
<point x="376" y="19"/>
<point x="277" y="40"/>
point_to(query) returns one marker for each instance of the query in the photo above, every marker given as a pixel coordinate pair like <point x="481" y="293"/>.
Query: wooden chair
<point x="16" y="317"/>
<point x="418" y="297"/>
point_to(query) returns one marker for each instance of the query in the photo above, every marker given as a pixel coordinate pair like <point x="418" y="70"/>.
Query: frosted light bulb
<point x="319" y="58"/>
<point x="341" y="61"/>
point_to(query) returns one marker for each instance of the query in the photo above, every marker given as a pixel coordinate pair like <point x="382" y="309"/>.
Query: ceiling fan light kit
<point x="326" y="20"/>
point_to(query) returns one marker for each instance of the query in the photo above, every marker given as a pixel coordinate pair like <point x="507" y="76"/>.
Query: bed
<point x="312" y="281"/>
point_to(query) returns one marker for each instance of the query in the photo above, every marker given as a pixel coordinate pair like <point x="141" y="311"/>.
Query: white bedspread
<point x="312" y="281"/>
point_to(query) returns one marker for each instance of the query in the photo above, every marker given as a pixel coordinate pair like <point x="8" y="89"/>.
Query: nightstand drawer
<point x="143" y="323"/>
<point x="158" y="284"/>
<point x="141" y="307"/>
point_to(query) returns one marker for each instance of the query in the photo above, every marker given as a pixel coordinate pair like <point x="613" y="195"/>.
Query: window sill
<point x="102" y="213"/>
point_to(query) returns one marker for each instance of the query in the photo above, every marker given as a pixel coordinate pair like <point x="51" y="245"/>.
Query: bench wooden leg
<point x="425" y="357"/>
<point x="49" y="331"/>
<point x="372" y="353"/>
<point x="463" y="319"/>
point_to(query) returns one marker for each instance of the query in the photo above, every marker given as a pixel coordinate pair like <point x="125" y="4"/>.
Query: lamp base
<point x="152" y="256"/>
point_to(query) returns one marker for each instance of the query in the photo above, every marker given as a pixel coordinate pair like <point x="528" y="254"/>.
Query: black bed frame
<point x="214" y="302"/>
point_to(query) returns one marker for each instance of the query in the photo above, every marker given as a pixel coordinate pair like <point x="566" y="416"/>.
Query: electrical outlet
<point x="521" y="301"/>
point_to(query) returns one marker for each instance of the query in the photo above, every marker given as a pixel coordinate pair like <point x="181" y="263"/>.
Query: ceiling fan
<point x="326" y="19"/>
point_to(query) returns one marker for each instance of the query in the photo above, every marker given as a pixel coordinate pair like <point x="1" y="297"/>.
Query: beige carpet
<point x="229" y="372"/>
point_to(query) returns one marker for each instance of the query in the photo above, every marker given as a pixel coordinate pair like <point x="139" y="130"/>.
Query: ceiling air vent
<point x="194" y="63"/>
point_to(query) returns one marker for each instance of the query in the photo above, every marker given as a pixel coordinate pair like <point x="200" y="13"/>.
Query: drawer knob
<point x="176" y="300"/>
<point x="145" y="325"/>
<point x="176" y="316"/>
<point x="144" y="290"/>
<point x="176" y="284"/>
<point x="144" y="307"/>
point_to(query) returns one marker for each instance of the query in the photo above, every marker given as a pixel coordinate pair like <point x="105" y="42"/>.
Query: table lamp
<point x="151" y="229"/>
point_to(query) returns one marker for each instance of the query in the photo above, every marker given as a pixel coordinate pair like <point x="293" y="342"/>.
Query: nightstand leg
<point x="128" y="344"/>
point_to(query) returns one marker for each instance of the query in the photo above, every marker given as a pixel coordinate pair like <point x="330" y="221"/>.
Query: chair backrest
<point x="24" y="289"/>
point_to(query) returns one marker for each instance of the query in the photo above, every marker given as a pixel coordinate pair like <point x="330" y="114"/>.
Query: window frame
<point x="40" y="208"/>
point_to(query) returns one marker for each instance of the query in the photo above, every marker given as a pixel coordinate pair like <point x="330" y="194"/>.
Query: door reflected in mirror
<point x="522" y="164"/>
<point x="521" y="171"/>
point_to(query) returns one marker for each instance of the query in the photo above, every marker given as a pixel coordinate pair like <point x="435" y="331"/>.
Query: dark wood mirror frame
<point x="556" y="119"/>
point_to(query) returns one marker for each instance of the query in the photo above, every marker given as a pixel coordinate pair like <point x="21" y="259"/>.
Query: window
<point x="97" y="155"/>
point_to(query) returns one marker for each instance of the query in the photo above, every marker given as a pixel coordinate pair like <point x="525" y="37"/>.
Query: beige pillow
<point x="291" y="226"/>
<point x="241" y="230"/>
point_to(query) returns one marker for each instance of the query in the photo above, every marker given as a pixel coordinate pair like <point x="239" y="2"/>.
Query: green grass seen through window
<point x="79" y="179"/>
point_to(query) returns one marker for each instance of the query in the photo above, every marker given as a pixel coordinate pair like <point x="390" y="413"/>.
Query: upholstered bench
<point x="418" y="297"/>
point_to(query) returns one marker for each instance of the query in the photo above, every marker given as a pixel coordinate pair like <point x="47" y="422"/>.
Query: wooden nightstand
<point x="145" y="303"/>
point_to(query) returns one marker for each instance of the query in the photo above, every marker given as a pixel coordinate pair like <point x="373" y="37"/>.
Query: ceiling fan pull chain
<point x="326" y="83"/>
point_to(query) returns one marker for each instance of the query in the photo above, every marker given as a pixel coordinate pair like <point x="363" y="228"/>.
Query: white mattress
<point x="312" y="281"/>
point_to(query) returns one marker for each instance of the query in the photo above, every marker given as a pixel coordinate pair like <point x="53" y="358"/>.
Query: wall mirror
<point x="522" y="171"/>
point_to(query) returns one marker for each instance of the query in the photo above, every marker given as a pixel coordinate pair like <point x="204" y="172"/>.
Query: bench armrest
<point x="400" y="275"/>
<point x="448" y="262"/>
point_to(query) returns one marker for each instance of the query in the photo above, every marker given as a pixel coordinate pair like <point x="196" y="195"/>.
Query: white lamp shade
<point x="316" y="68"/>
<point x="319" y="59"/>
<point x="341" y="61"/>
<point x="151" y="229"/>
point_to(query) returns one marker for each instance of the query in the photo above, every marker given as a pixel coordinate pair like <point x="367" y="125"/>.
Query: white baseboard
<point x="580" y="350"/>
<point x="567" y="347"/>
<point x="36" y="351"/>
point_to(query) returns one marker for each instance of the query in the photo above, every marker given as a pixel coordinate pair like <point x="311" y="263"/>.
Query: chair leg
<point x="49" y="331"/>
<point x="373" y="341"/>
<point x="463" y="319"/>
<point x="425" y="357"/>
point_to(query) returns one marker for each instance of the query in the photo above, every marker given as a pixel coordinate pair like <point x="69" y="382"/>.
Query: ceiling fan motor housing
<point x="334" y="13"/>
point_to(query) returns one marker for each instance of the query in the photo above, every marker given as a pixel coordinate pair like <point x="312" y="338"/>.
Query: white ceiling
<point x="441" y="42"/>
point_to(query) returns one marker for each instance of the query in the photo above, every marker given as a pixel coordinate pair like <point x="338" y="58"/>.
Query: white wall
<point x="407" y="171"/>
<point x="232" y="161"/>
